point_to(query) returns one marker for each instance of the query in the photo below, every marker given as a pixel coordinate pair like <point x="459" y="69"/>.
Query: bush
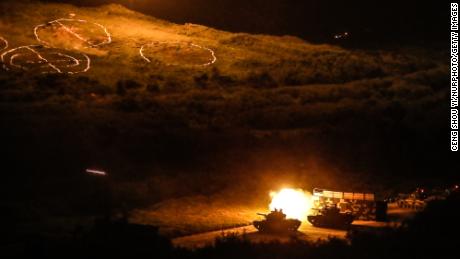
<point x="262" y="80"/>
<point x="124" y="85"/>
<point x="153" y="88"/>
<point x="121" y="90"/>
<point x="128" y="104"/>
<point x="52" y="82"/>
<point x="202" y="80"/>
<point x="221" y="80"/>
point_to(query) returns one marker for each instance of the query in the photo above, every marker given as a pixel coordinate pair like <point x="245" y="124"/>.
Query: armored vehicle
<point x="276" y="222"/>
<point x="331" y="217"/>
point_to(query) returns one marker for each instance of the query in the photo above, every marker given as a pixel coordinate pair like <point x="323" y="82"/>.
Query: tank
<point x="415" y="200"/>
<point x="276" y="222"/>
<point x="331" y="217"/>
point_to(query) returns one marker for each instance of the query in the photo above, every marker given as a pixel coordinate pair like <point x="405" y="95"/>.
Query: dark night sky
<point x="392" y="21"/>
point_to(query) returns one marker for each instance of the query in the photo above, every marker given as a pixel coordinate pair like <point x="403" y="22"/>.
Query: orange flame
<point x="295" y="203"/>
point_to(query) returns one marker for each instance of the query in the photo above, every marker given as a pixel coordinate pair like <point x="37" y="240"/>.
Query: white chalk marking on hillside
<point x="141" y="52"/>
<point x="59" y="23"/>
<point x="213" y="54"/>
<point x="45" y="60"/>
<point x="53" y="64"/>
<point x="75" y="62"/>
<point x="15" y="56"/>
<point x="5" y="42"/>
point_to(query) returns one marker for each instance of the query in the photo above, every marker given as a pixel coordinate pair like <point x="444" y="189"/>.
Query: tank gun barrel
<point x="262" y="214"/>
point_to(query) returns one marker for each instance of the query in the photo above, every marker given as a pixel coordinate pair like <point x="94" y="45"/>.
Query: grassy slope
<point x="282" y="81"/>
<point x="288" y="60"/>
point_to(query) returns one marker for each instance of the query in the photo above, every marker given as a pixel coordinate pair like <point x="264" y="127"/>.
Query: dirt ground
<point x="306" y="231"/>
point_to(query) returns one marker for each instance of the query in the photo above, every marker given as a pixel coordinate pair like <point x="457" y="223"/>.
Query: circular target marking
<point x="68" y="33"/>
<point x="36" y="58"/>
<point x="178" y="53"/>
<point x="3" y="43"/>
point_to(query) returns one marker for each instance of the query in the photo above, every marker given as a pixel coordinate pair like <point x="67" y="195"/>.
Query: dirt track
<point x="306" y="231"/>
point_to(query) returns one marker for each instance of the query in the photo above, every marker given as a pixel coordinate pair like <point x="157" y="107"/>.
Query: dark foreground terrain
<point x="430" y="234"/>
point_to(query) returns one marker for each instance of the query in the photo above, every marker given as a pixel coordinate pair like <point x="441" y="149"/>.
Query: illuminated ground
<point x="196" y="214"/>
<point x="35" y="59"/>
<point x="306" y="231"/>
<point x="72" y="33"/>
<point x="177" y="54"/>
<point x="115" y="38"/>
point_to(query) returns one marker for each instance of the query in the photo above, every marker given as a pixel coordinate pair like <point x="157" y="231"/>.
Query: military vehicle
<point x="331" y="217"/>
<point x="416" y="200"/>
<point x="276" y="222"/>
<point x="363" y="206"/>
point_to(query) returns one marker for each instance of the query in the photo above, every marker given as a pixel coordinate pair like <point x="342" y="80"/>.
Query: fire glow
<point x="295" y="203"/>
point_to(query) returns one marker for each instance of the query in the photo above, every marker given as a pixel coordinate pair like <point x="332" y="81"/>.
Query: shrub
<point x="121" y="90"/>
<point x="262" y="80"/>
<point x="52" y="81"/>
<point x="153" y="88"/>
<point x="129" y="84"/>
<point x="128" y="104"/>
<point x="202" y="80"/>
<point x="221" y="80"/>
